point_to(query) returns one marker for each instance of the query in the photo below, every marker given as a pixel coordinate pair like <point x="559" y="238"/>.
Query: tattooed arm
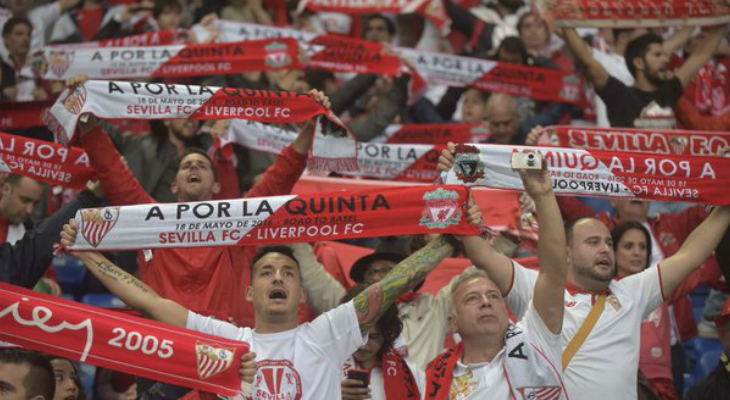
<point x="373" y="301"/>
<point x="129" y="289"/>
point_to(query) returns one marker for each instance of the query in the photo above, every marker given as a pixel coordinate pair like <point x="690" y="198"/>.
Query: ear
<point x="569" y="256"/>
<point x="639" y="63"/>
<point x="173" y="187"/>
<point x="249" y="293"/>
<point x="7" y="188"/>
<point x="216" y="188"/>
<point x="452" y="322"/>
<point x="303" y="297"/>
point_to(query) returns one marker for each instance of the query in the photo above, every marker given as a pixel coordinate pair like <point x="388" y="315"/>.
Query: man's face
<point x="17" y="41"/>
<point x="631" y="252"/>
<point x="183" y="129"/>
<point x="656" y="64"/>
<point x="377" y="270"/>
<point x="479" y="309"/>
<point x="503" y="124"/>
<point x="590" y="253"/>
<point x="169" y="18"/>
<point x="11" y="381"/>
<point x="631" y="210"/>
<point x="19" y="7"/>
<point x="276" y="289"/>
<point x="20" y="200"/>
<point x="195" y="180"/>
<point x="376" y="30"/>
<point x="474" y="108"/>
<point x="534" y="33"/>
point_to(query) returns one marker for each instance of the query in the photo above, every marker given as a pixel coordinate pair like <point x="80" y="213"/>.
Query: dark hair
<point x="287" y="251"/>
<point x="389" y="324"/>
<point x="513" y="45"/>
<point x="620" y="230"/>
<point x="77" y="378"/>
<point x="163" y="5"/>
<point x="197" y="150"/>
<point x="388" y="23"/>
<point x="638" y="48"/>
<point x="40" y="380"/>
<point x="12" y="22"/>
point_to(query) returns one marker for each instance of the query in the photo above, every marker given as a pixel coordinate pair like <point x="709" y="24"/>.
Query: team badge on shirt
<point x="212" y="360"/>
<point x="277" y="380"/>
<point x="442" y="209"/>
<point x="540" y="392"/>
<point x="613" y="301"/>
<point x="95" y="224"/>
<point x="467" y="165"/>
<point x="277" y="55"/>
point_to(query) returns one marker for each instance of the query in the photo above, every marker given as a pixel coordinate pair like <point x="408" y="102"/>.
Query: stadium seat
<point x="103" y="300"/>
<point x="707" y="363"/>
<point x="86" y="375"/>
<point x="706" y="345"/>
<point x="71" y="273"/>
<point x="689" y="381"/>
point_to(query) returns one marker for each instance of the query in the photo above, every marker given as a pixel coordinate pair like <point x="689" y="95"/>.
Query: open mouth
<point x="604" y="263"/>
<point x="277" y="294"/>
<point x="194" y="179"/>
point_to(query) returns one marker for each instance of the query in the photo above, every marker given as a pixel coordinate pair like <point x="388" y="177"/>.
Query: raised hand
<point x="537" y="183"/>
<point x="352" y="390"/>
<point x="446" y="159"/>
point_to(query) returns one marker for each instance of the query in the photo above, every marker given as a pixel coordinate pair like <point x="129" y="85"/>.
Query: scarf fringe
<point x="55" y="126"/>
<point x="323" y="165"/>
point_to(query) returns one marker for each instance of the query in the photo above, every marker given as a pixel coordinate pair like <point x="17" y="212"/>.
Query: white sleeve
<point x="337" y="332"/>
<point x="550" y="344"/>
<point x="63" y="29"/>
<point x="215" y="327"/>
<point x="520" y="292"/>
<point x="645" y="287"/>
<point x="45" y="16"/>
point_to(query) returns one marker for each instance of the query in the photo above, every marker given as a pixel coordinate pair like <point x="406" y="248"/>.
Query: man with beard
<point x="648" y="103"/>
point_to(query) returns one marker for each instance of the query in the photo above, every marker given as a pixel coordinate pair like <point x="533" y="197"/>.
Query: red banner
<point x="120" y="342"/>
<point x="438" y="134"/>
<point x="22" y="115"/>
<point x="45" y="161"/>
<point x="350" y="55"/>
<point x="662" y="142"/>
<point x="638" y="13"/>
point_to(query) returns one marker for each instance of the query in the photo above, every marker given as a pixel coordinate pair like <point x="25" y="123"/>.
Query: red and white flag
<point x="601" y="173"/>
<point x="278" y="219"/>
<point x="60" y="63"/>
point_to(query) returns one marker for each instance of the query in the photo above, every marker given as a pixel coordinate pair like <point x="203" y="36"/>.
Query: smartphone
<point x="361" y="375"/>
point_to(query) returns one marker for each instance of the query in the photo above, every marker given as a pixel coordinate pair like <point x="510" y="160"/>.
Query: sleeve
<point x="212" y="326"/>
<point x="674" y="90"/>
<point x="337" y="332"/>
<point x="691" y="118"/>
<point x="345" y="96"/>
<point x="46" y="15"/>
<point x="281" y="177"/>
<point x="63" y="29"/>
<point x="645" y="288"/>
<point x="549" y="344"/>
<point x="324" y="292"/>
<point x="120" y="185"/>
<point x="24" y="263"/>
<point x="519" y="295"/>
<point x="368" y="126"/>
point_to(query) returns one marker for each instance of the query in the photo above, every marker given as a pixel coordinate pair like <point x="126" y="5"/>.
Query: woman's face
<point x="534" y="33"/>
<point x="631" y="253"/>
<point x="371" y="349"/>
<point x="65" y="373"/>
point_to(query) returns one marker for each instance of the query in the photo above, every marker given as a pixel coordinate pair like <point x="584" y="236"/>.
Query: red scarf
<point x="21" y="115"/>
<point x="640" y="14"/>
<point x="440" y="373"/>
<point x="398" y="380"/>
<point x="438" y="134"/>
<point x="118" y="342"/>
<point x="44" y="161"/>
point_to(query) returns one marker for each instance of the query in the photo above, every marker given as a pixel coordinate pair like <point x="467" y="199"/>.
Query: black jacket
<point x="25" y="262"/>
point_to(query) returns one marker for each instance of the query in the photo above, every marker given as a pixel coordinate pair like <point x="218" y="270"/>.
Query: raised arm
<point x="695" y="250"/>
<point x="700" y="55"/>
<point x="594" y="71"/>
<point x="129" y="289"/>
<point x="371" y="303"/>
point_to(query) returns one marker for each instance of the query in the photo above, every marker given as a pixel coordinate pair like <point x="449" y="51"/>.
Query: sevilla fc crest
<point x="679" y="144"/>
<point x="97" y="222"/>
<point x="540" y="392"/>
<point x="442" y="209"/>
<point x="277" y="380"/>
<point x="212" y="360"/>
<point x="75" y="100"/>
<point x="277" y="55"/>
<point x="60" y="61"/>
<point x="467" y="165"/>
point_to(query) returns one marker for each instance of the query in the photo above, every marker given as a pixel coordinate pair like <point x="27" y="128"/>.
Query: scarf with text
<point x="139" y="100"/>
<point x="44" y="161"/>
<point x="640" y="13"/>
<point x="435" y="68"/>
<point x="398" y="380"/>
<point x="277" y="220"/>
<point x="601" y="173"/>
<point x="655" y="141"/>
<point x="433" y="10"/>
<point x="170" y="61"/>
<point x="529" y="374"/>
<point x="157" y="38"/>
<point x="119" y="342"/>
<point x="439" y="134"/>
<point x="401" y="162"/>
<point x="22" y="115"/>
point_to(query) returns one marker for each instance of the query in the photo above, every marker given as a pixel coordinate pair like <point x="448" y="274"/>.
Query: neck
<point x="481" y="349"/>
<point x="644" y="84"/>
<point x="585" y="283"/>
<point x="276" y="324"/>
<point x="19" y="58"/>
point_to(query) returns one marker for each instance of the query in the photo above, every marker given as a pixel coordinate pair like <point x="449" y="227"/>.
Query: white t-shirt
<point x="488" y="380"/>
<point x="377" y="384"/>
<point x="606" y="365"/>
<point x="304" y="363"/>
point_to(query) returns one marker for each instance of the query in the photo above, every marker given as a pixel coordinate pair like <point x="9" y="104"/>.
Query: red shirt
<point x="206" y="280"/>
<point x="89" y="22"/>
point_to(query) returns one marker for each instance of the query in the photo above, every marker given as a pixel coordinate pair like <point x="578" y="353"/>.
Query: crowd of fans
<point x="660" y="254"/>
